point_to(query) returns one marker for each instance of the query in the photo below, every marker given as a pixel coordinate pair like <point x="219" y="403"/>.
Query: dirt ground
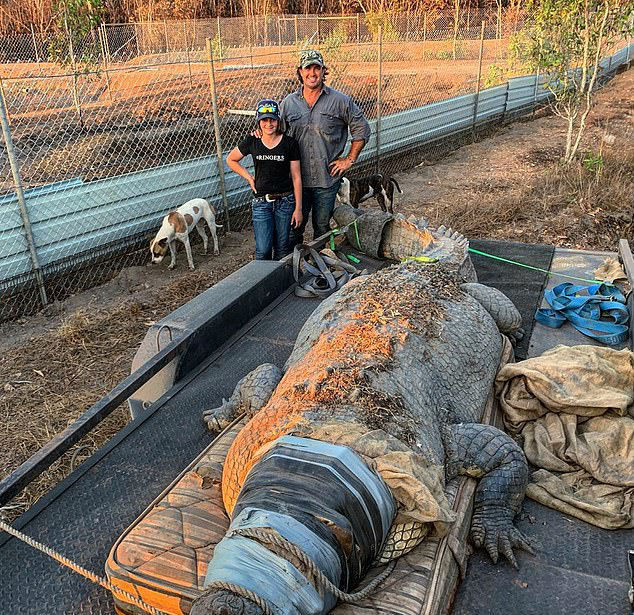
<point x="55" y="365"/>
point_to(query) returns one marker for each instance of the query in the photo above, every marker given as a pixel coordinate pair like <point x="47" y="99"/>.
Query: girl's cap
<point x="267" y="108"/>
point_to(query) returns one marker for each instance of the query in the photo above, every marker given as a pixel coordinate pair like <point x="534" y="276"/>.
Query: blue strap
<point x="589" y="313"/>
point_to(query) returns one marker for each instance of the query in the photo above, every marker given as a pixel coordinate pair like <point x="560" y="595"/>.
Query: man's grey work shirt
<point x="322" y="131"/>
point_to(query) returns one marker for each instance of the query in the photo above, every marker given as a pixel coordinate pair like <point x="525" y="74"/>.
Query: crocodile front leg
<point x="251" y="393"/>
<point x="484" y="451"/>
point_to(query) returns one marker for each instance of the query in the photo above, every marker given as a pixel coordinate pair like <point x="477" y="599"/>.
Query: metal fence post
<point x="379" y="101"/>
<point x="477" y="93"/>
<point x="105" y="42"/>
<point x="506" y="99"/>
<point x="26" y="223"/>
<point x="249" y="30"/>
<point x="136" y="40"/>
<point x="167" y="45"/>
<point x="456" y="17"/>
<point x="279" y="37"/>
<point x="37" y="55"/>
<point x="216" y="120"/>
<point x="219" y="35"/>
<point x="189" y="64"/>
<point x="74" y="65"/>
<point x="3" y="97"/>
<point x="424" y="35"/>
<point x="105" y="62"/>
<point x="358" y="30"/>
<point x="535" y="92"/>
<point x="296" y="35"/>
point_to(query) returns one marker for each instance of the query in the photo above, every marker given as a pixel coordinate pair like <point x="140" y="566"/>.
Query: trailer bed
<point x="579" y="568"/>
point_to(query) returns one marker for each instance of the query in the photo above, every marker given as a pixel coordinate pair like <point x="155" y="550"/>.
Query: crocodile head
<point x="310" y="515"/>
<point x="395" y="237"/>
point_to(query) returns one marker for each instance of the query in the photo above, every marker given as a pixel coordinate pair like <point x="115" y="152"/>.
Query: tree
<point x="75" y="20"/>
<point x="566" y="43"/>
<point x="80" y="16"/>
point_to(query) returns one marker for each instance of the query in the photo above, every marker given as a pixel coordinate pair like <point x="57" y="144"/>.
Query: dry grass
<point x="567" y="206"/>
<point x="513" y="186"/>
<point x="54" y="378"/>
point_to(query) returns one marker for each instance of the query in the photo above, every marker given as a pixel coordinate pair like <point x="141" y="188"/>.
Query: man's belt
<point x="273" y="196"/>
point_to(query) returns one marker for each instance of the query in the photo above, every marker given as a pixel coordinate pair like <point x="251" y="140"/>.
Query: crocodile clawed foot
<point x="218" y="418"/>
<point x="492" y="528"/>
<point x="222" y="602"/>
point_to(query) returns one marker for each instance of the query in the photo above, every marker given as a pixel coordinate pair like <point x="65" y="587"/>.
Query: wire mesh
<point x="112" y="129"/>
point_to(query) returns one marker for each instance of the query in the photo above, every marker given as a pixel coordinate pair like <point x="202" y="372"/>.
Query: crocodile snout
<point x="223" y="602"/>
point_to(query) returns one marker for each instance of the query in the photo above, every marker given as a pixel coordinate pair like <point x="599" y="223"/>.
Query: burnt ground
<point x="57" y="363"/>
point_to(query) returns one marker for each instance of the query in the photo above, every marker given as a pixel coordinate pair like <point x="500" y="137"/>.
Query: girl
<point x="277" y="185"/>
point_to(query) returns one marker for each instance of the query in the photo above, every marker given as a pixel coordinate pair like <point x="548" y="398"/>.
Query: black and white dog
<point x="354" y="191"/>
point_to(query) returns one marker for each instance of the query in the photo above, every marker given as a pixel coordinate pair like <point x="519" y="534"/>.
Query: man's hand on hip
<point x="340" y="166"/>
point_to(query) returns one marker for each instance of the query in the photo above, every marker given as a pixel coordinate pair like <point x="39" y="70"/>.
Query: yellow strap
<point x="420" y="259"/>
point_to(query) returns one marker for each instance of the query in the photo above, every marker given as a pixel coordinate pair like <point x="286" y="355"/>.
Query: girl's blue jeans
<point x="272" y="226"/>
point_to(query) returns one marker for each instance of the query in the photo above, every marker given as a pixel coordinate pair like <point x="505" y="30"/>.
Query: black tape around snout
<point x="325" y="495"/>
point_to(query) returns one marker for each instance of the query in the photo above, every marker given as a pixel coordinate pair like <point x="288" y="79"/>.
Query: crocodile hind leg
<point x="500" y="307"/>
<point x="250" y="394"/>
<point x="485" y="452"/>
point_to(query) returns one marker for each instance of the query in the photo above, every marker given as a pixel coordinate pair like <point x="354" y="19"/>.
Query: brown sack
<point x="570" y="406"/>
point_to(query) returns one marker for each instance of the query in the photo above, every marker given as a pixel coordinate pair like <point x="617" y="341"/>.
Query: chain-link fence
<point x="105" y="133"/>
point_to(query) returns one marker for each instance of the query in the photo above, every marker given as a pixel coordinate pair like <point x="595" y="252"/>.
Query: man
<point x="319" y="118"/>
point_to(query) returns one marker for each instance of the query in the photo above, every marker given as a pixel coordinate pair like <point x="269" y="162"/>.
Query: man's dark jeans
<point x="272" y="226"/>
<point x="321" y="201"/>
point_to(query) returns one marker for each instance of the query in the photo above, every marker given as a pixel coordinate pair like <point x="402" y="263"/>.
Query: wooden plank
<point x="627" y="259"/>
<point x="628" y="264"/>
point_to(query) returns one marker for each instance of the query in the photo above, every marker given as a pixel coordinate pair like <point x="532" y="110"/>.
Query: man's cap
<point x="309" y="57"/>
<point x="267" y="108"/>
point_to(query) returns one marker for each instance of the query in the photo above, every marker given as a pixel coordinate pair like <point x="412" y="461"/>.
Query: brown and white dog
<point x="178" y="224"/>
<point x="354" y="191"/>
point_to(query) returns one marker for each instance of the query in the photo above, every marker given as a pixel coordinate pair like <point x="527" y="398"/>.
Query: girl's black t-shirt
<point x="272" y="166"/>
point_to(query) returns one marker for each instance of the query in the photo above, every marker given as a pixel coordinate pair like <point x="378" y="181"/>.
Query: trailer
<point x="192" y="359"/>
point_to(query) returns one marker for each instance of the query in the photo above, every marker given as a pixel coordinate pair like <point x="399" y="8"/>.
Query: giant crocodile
<point x="390" y="375"/>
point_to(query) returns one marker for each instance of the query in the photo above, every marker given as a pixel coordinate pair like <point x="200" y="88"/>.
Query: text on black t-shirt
<point x="272" y="166"/>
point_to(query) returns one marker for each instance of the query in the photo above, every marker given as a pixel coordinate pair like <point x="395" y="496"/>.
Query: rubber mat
<point x="521" y="285"/>
<point x="578" y="568"/>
